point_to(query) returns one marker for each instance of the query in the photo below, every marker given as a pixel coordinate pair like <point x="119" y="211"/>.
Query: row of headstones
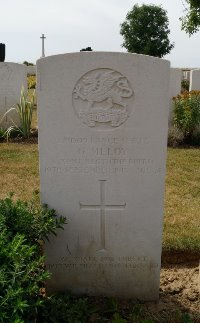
<point x="13" y="77"/>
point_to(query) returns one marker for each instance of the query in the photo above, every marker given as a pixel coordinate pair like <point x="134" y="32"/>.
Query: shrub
<point x="175" y="137"/>
<point x="185" y="84"/>
<point x="24" y="110"/>
<point x="31" y="81"/>
<point x="28" y="63"/>
<point x="187" y="113"/>
<point x="65" y="308"/>
<point x="23" y="227"/>
<point x="195" y="140"/>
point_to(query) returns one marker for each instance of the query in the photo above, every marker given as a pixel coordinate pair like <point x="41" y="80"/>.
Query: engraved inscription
<point x="105" y="155"/>
<point x="105" y="262"/>
<point x="100" y="98"/>
<point x="102" y="207"/>
<point x="105" y="140"/>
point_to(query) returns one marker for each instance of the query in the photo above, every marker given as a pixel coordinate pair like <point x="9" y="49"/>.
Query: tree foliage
<point x="145" y="31"/>
<point x="191" y="20"/>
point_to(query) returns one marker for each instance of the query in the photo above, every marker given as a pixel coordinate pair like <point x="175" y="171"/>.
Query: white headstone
<point x="103" y="120"/>
<point x="174" y="89"/>
<point x="195" y="80"/>
<point x="12" y="78"/>
<point x="186" y="75"/>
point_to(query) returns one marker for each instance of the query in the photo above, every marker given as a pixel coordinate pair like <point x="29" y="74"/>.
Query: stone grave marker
<point x="12" y="78"/>
<point x="174" y="89"/>
<point x="195" y="80"/>
<point x="103" y="120"/>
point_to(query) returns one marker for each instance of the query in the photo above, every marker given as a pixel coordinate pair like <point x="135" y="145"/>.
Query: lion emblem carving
<point x="100" y="98"/>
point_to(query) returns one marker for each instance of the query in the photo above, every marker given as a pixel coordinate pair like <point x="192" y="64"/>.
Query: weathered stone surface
<point x="103" y="120"/>
<point x="12" y="78"/>
<point x="174" y="89"/>
<point x="195" y="80"/>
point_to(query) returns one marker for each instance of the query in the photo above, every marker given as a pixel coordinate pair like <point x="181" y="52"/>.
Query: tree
<point x="191" y="20"/>
<point x="145" y="31"/>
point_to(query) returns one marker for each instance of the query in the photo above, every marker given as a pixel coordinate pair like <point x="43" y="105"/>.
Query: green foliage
<point x="136" y="313"/>
<point x="195" y="140"/>
<point x="2" y="133"/>
<point x="187" y="113"/>
<point x="65" y="308"/>
<point x="28" y="63"/>
<point x="24" y="110"/>
<point x="111" y="306"/>
<point x="118" y="319"/>
<point x="185" y="84"/>
<point x="31" y="81"/>
<point x="145" y="31"/>
<point x="175" y="137"/>
<point x="23" y="227"/>
<point x="186" y="318"/>
<point x="191" y="20"/>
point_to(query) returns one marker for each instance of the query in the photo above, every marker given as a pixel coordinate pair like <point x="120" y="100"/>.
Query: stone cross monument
<point x="43" y="38"/>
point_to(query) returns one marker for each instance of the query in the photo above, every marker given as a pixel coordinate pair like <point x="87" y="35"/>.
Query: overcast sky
<point x="70" y="25"/>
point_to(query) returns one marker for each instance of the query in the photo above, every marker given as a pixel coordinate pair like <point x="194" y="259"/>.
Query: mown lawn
<point x="20" y="174"/>
<point x="182" y="200"/>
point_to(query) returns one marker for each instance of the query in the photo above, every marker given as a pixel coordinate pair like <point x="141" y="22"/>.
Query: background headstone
<point x="195" y="80"/>
<point x="174" y="89"/>
<point x="103" y="120"/>
<point x="12" y="77"/>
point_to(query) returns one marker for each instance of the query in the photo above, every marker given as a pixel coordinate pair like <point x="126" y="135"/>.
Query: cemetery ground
<point x="181" y="239"/>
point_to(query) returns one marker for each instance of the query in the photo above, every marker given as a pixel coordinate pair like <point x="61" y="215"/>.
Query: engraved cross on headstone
<point x="103" y="207"/>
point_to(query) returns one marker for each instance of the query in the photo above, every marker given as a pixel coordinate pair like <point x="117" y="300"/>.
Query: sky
<point x="70" y="25"/>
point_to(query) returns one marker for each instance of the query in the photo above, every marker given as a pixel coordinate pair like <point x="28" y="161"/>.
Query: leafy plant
<point x="186" y="318"/>
<point x="175" y="137"/>
<point x="185" y="84"/>
<point x="136" y="312"/>
<point x="191" y="20"/>
<point x="23" y="227"/>
<point x="28" y="63"/>
<point x="2" y="133"/>
<point x="187" y="112"/>
<point x="65" y="308"/>
<point x="24" y="110"/>
<point x="31" y="81"/>
<point x="118" y="319"/>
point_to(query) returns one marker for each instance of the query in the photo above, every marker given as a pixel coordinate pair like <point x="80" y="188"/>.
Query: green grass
<point x="19" y="170"/>
<point x="182" y="200"/>
<point x="19" y="174"/>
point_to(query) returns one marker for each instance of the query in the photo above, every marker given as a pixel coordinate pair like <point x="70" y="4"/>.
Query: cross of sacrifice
<point x="103" y="207"/>
<point x="43" y="38"/>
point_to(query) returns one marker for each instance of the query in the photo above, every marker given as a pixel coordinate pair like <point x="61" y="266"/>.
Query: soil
<point x="179" y="288"/>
